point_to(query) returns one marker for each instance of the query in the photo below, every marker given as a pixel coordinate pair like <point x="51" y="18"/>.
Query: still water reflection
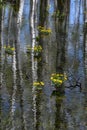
<point x="22" y="107"/>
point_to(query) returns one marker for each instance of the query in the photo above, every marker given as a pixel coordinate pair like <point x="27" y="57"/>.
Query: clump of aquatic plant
<point x="9" y="50"/>
<point x="36" y="50"/>
<point x="44" y="31"/>
<point x="38" y="85"/>
<point x="58" y="79"/>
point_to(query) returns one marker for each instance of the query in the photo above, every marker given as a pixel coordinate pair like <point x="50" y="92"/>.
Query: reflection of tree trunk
<point x="1" y="41"/>
<point x="60" y="5"/>
<point x="18" y="59"/>
<point x="13" y="107"/>
<point x="1" y="58"/>
<point x="43" y="11"/>
<point x="38" y="112"/>
<point x="58" y="115"/>
<point x="60" y="28"/>
<point x="9" y="25"/>
<point x="85" y="40"/>
<point x="34" y="63"/>
<point x="1" y="55"/>
<point x="86" y="12"/>
<point x="17" y="74"/>
<point x="45" y="68"/>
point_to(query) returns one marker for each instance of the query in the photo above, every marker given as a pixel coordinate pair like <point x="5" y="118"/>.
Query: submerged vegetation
<point x="9" y="50"/>
<point x="58" y="79"/>
<point x="38" y="85"/>
<point x="44" y="31"/>
<point x="36" y="50"/>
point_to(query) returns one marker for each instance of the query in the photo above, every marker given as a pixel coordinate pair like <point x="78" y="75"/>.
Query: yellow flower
<point x="38" y="84"/>
<point x="35" y="84"/>
<point x="60" y="81"/>
<point x="42" y="83"/>
<point x="49" y="30"/>
<point x="12" y="48"/>
<point x="65" y="78"/>
<point x="4" y="46"/>
<point x="58" y="75"/>
<point x="9" y="46"/>
<point x="54" y="80"/>
<point x="51" y="78"/>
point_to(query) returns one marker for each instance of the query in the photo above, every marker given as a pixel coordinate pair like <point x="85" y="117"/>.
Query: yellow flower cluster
<point x="58" y="79"/>
<point x="40" y="28"/>
<point x="9" y="49"/>
<point x="46" y="31"/>
<point x="37" y="84"/>
<point x="37" y="48"/>
<point x="43" y="30"/>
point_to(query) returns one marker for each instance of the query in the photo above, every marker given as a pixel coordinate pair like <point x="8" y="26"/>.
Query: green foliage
<point x="44" y="31"/>
<point x="38" y="85"/>
<point x="37" y="50"/>
<point x="9" y="50"/>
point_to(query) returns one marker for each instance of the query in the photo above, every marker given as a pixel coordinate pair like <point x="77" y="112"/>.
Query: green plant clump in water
<point x="9" y="50"/>
<point x="37" y="49"/>
<point x="38" y="85"/>
<point x="58" y="79"/>
<point x="44" y="31"/>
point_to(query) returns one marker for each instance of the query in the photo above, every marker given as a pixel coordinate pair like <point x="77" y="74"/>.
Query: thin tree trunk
<point x="17" y="73"/>
<point x="1" y="57"/>
<point x="86" y="13"/>
<point x="33" y="22"/>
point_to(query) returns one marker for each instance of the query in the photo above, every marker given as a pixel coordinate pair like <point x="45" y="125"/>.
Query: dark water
<point x="64" y="51"/>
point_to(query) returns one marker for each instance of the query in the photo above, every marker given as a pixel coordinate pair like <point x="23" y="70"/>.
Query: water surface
<point x="64" y="51"/>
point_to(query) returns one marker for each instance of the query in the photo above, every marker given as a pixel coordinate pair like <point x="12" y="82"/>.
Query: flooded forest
<point x="43" y="64"/>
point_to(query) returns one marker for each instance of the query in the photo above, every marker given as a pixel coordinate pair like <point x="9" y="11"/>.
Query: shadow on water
<point x="57" y="27"/>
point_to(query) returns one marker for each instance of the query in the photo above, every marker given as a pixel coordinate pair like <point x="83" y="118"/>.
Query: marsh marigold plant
<point x="9" y="50"/>
<point x="44" y="31"/>
<point x="58" y="79"/>
<point x="38" y="85"/>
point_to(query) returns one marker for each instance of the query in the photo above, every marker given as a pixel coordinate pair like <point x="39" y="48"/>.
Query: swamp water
<point x="64" y="50"/>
